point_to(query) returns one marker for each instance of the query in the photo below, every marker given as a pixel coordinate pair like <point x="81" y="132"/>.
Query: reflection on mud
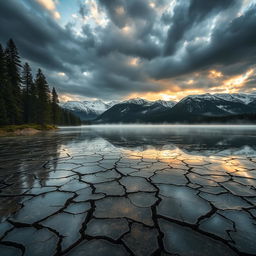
<point x="99" y="190"/>
<point x="205" y="140"/>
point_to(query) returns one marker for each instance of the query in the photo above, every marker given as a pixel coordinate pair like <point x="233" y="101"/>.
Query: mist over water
<point x="206" y="139"/>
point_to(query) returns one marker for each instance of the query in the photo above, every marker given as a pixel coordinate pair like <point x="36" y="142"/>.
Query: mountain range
<point x="193" y="108"/>
<point x="91" y="110"/>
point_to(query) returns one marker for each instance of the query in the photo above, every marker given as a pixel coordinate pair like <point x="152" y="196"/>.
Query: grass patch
<point x="14" y="128"/>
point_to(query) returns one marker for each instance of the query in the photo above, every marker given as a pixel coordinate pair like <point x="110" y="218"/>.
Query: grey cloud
<point x="104" y="52"/>
<point x="39" y="38"/>
<point x="230" y="43"/>
<point x="186" y="14"/>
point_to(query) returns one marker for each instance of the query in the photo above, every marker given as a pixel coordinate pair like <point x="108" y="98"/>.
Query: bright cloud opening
<point x="61" y="74"/>
<point x="50" y="5"/>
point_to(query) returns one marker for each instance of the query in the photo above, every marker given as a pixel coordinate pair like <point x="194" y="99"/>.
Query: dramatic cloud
<point x="114" y="49"/>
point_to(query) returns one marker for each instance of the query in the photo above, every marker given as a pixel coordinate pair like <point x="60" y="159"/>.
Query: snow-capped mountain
<point x="244" y="98"/>
<point x="217" y="104"/>
<point x="88" y="110"/>
<point x="134" y="110"/>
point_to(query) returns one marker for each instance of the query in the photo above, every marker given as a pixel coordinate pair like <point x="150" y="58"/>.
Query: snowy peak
<point x="244" y="98"/>
<point x="88" y="110"/>
<point x="218" y="104"/>
<point x="74" y="105"/>
<point x="167" y="104"/>
<point x="199" y="97"/>
<point x="96" y="106"/>
<point x="138" y="101"/>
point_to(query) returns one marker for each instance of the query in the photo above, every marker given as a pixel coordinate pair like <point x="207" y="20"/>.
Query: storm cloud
<point x="111" y="49"/>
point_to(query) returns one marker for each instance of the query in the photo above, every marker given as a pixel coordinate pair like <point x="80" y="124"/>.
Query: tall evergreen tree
<point x="12" y="67"/>
<point x="3" y="112"/>
<point x="2" y="67"/>
<point x="28" y="84"/>
<point x="43" y="107"/>
<point x="55" y="107"/>
<point x="34" y="103"/>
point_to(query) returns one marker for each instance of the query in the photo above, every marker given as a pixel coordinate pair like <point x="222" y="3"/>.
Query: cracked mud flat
<point x="129" y="191"/>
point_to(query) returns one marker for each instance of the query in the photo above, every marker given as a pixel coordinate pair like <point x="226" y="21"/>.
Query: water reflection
<point x="203" y="140"/>
<point x="26" y="153"/>
<point x="103" y="175"/>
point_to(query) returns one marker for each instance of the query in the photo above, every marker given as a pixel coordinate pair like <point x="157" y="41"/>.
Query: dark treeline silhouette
<point x="24" y="100"/>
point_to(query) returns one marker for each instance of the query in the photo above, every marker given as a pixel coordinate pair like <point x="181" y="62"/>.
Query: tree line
<point x="25" y="100"/>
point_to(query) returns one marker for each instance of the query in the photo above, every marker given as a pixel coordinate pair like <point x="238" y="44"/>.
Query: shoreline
<point x="167" y="125"/>
<point x="25" y="129"/>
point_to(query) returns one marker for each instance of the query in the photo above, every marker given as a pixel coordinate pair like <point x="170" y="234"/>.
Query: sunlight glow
<point x="134" y="61"/>
<point x="61" y="74"/>
<point x="126" y="29"/>
<point x="50" y="5"/>
<point x="64" y="97"/>
<point x="175" y="156"/>
<point x="239" y="80"/>
<point x="235" y="83"/>
<point x="152" y="153"/>
<point x="174" y="95"/>
<point x="215" y="74"/>
<point x="152" y="5"/>
<point x="191" y="81"/>
<point x="86" y="73"/>
<point x="120" y="10"/>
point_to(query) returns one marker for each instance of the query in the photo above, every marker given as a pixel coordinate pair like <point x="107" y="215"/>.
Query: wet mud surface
<point x="98" y="191"/>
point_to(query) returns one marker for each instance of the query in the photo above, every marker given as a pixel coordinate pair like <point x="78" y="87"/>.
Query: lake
<point x="129" y="190"/>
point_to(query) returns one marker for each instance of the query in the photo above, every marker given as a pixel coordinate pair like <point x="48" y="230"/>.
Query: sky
<point x="121" y="49"/>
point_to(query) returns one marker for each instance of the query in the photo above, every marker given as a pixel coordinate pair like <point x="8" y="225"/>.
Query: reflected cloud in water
<point x="200" y="140"/>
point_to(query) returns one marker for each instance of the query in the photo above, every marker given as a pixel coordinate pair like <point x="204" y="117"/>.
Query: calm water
<point x="129" y="190"/>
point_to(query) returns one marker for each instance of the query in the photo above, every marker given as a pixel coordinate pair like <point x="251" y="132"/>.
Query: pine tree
<point x="3" y="112"/>
<point x="14" y="107"/>
<point x="28" y="84"/>
<point x="34" y="103"/>
<point x="43" y="107"/>
<point x="55" y="107"/>
<point x="2" y="67"/>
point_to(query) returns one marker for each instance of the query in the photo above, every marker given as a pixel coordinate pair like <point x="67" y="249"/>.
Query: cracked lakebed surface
<point x="129" y="190"/>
